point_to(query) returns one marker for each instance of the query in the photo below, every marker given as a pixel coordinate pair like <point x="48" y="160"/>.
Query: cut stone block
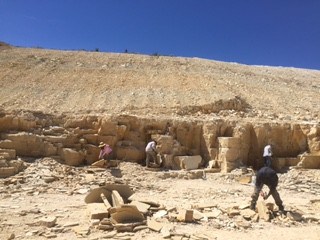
<point x="142" y="207"/>
<point x="154" y="225"/>
<point x="7" y="172"/>
<point x="72" y="157"/>
<point x="8" y="154"/>
<point x="188" y="162"/>
<point x="126" y="214"/>
<point x="229" y="142"/>
<point x="48" y="221"/>
<point x="117" y="200"/>
<point x="310" y="161"/>
<point x="97" y="211"/>
<point x="185" y="216"/>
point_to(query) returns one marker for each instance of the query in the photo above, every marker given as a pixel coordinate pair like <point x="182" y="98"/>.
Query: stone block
<point x="72" y="157"/>
<point x="19" y="165"/>
<point x="126" y="214"/>
<point x="229" y="142"/>
<point x="92" y="153"/>
<point x="245" y="179"/>
<point x="142" y="207"/>
<point x="309" y="161"/>
<point x="247" y="214"/>
<point x="8" y="154"/>
<point x="117" y="200"/>
<point x="130" y="153"/>
<point x="97" y="211"/>
<point x="154" y="225"/>
<point x="101" y="163"/>
<point x="165" y="144"/>
<point x="91" y="138"/>
<point x="213" y="214"/>
<point x="188" y="162"/>
<point x="7" y="172"/>
<point x="25" y="144"/>
<point x="108" y="128"/>
<point x="263" y="211"/>
<point x="185" y="216"/>
<point x="48" y="221"/>
<point x="49" y="149"/>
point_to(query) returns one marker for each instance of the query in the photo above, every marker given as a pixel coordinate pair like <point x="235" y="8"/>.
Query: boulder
<point x="72" y="157"/>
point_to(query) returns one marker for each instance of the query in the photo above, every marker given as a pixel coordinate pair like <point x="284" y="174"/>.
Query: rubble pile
<point x="302" y="181"/>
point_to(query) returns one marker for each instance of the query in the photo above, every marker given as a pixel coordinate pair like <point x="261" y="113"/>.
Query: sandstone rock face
<point x="229" y="153"/>
<point x="230" y="144"/>
<point x="9" y="166"/>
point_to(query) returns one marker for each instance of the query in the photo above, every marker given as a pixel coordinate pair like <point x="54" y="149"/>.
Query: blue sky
<point x="269" y="32"/>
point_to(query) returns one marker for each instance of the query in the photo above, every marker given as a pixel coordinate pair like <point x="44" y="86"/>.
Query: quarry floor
<point x="28" y="197"/>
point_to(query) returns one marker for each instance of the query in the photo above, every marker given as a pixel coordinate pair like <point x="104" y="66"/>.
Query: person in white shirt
<point x="267" y="156"/>
<point x="151" y="152"/>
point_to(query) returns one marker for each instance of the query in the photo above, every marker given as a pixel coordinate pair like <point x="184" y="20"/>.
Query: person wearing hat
<point x="105" y="151"/>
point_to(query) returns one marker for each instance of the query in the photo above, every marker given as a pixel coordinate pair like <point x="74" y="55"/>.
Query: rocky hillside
<point x="80" y="82"/>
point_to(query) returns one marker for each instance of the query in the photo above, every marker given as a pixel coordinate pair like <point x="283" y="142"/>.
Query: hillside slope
<point x="91" y="82"/>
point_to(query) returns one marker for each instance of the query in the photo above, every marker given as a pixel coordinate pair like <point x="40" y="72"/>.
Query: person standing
<point x="267" y="156"/>
<point x="151" y="152"/>
<point x="269" y="177"/>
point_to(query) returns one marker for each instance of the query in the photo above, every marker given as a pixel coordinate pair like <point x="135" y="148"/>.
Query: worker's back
<point x="268" y="176"/>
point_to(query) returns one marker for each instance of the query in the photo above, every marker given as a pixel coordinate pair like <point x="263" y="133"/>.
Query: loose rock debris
<point x="95" y="204"/>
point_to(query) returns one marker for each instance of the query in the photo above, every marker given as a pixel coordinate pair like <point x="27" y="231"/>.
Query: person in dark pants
<point x="269" y="177"/>
<point x="151" y="152"/>
<point x="267" y="155"/>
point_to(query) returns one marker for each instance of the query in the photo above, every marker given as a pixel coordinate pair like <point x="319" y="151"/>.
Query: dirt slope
<point x="92" y="82"/>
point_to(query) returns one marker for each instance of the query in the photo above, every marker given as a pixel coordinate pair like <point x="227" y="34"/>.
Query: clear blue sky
<point x="255" y="32"/>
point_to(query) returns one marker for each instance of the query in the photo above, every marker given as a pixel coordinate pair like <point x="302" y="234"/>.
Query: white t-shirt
<point x="151" y="146"/>
<point x="267" y="151"/>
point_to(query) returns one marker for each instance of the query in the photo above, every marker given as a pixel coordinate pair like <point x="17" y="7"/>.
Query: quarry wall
<point x="222" y="144"/>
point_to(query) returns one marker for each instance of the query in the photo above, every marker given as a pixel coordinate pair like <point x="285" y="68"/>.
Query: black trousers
<point x="275" y="194"/>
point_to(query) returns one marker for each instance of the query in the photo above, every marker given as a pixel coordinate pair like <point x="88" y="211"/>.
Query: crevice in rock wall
<point x="74" y="140"/>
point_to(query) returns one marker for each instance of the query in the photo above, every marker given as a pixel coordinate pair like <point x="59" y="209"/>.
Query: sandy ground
<point x="24" y="204"/>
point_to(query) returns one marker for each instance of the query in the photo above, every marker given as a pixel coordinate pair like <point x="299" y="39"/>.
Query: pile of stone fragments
<point x="116" y="208"/>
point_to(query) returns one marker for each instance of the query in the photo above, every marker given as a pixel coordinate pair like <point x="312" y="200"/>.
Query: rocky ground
<point x="47" y="201"/>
